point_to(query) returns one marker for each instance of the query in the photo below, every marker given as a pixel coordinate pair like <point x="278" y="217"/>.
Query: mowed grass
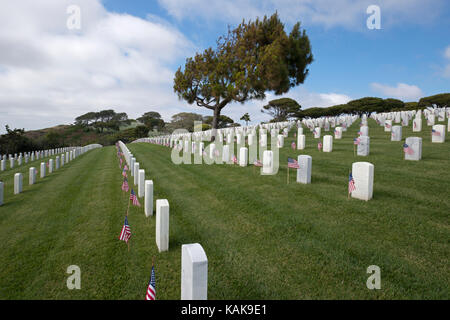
<point x="264" y="238"/>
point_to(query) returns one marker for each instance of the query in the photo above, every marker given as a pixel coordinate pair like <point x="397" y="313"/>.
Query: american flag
<point x="319" y="146"/>
<point x="293" y="145"/>
<point x="356" y="141"/>
<point x="351" y="184"/>
<point x="151" y="289"/>
<point x="407" y="149"/>
<point x="257" y="163"/>
<point x="134" y="198"/>
<point x="414" y="124"/>
<point x="125" y="185"/>
<point x="292" y="163"/>
<point x="124" y="172"/>
<point x="125" y="234"/>
<point x="387" y="125"/>
<point x="360" y="133"/>
<point x="234" y="159"/>
<point x="435" y="133"/>
<point x="125" y="168"/>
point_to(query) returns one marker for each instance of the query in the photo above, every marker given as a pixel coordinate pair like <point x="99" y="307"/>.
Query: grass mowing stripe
<point x="326" y="237"/>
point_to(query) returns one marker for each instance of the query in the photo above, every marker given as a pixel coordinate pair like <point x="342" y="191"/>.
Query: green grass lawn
<point x="264" y="239"/>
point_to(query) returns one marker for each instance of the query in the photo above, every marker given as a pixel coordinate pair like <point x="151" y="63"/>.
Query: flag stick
<point x="348" y="195"/>
<point x="287" y="174"/>
<point x="128" y="205"/>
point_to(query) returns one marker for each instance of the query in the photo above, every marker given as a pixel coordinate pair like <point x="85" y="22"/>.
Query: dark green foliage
<point x="255" y="57"/>
<point x="246" y="118"/>
<point x="282" y="109"/>
<point x="441" y="100"/>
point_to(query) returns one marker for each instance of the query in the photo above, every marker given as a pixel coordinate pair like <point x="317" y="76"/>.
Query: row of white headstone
<point x="52" y="165"/>
<point x="30" y="156"/>
<point x="194" y="263"/>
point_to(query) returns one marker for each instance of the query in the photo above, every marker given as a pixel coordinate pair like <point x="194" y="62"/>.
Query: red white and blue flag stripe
<point x="125" y="234"/>
<point x="407" y="149"/>
<point x="292" y="163"/>
<point x="151" y="289"/>
<point x="134" y="198"/>
<point x="351" y="184"/>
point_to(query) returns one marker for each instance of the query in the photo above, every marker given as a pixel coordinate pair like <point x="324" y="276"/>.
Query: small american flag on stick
<point x="151" y="289"/>
<point x="125" y="234"/>
<point x="292" y="163"/>
<point x="134" y="198"/>
<point x="356" y="141"/>
<point x="293" y="145"/>
<point x="124" y="172"/>
<point x="407" y="149"/>
<point x="234" y="159"/>
<point x="435" y="133"/>
<point x="125" y="185"/>
<point x="351" y="184"/>
<point x="319" y="146"/>
<point x="257" y="163"/>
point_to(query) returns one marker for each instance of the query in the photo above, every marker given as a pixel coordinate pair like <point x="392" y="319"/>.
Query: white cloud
<point x="50" y="74"/>
<point x="402" y="91"/>
<point x="344" y="13"/>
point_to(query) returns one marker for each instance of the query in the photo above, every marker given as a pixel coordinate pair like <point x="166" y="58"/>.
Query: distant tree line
<point x="285" y="108"/>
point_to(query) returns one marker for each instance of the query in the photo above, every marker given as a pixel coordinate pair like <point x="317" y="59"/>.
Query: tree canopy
<point x="152" y="120"/>
<point x="441" y="100"/>
<point x="256" y="57"/>
<point x="281" y="109"/>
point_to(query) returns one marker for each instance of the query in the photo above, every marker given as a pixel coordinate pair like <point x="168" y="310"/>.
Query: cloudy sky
<point x="125" y="53"/>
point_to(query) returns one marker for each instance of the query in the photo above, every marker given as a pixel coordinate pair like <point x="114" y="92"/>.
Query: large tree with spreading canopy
<point x="256" y="57"/>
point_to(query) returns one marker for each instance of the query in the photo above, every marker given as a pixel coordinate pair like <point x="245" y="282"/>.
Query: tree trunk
<point x="215" y="122"/>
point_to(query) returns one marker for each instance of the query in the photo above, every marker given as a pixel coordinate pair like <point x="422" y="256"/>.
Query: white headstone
<point x="327" y="143"/>
<point x="18" y="182"/>
<point x="50" y="166"/>
<point x="226" y="153"/>
<point x="132" y="161"/>
<point x="338" y="133"/>
<point x="438" y="133"/>
<point x="280" y="141"/>
<point x="42" y="171"/>
<point x="364" y="130"/>
<point x="388" y="126"/>
<point x="57" y="162"/>
<point x="363" y="174"/>
<point x="417" y="125"/>
<point x="136" y="173"/>
<point x="194" y="272"/>
<point x="363" y="148"/>
<point x="268" y="165"/>
<point x="243" y="157"/>
<point x="304" y="172"/>
<point x="3" y="165"/>
<point x="263" y="141"/>
<point x="162" y="224"/>
<point x="413" y="148"/>
<point x="32" y="175"/>
<point x="316" y="132"/>
<point x="396" y="134"/>
<point x="301" y="142"/>
<point x="148" y="209"/>
<point x="141" y="183"/>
